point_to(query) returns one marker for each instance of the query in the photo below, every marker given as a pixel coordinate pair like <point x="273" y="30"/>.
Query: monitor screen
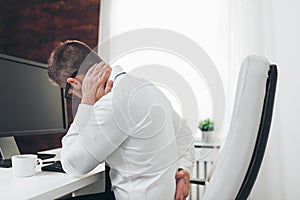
<point x="29" y="104"/>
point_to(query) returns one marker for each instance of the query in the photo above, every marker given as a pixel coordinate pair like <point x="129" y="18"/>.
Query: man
<point x="125" y="121"/>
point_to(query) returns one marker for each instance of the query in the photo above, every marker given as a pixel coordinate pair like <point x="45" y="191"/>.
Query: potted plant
<point x="207" y="127"/>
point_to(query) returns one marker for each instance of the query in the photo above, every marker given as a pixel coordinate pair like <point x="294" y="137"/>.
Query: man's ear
<point x="75" y="83"/>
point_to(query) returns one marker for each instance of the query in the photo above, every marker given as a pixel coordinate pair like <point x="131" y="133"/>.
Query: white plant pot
<point x="208" y="136"/>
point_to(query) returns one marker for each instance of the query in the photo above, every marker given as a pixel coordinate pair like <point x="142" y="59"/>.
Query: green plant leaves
<point x="206" y="125"/>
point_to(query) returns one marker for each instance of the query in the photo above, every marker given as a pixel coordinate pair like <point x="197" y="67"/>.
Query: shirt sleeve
<point x="93" y="136"/>
<point x="185" y="145"/>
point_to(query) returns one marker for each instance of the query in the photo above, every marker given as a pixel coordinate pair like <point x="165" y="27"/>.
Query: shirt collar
<point x="116" y="70"/>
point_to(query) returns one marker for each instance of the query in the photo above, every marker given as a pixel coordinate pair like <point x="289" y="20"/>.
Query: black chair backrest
<point x="263" y="134"/>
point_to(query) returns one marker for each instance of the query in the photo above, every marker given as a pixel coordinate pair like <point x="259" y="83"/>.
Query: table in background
<point x="205" y="154"/>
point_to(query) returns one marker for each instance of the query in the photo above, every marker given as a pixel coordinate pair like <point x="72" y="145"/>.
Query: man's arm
<point x="186" y="154"/>
<point x="93" y="134"/>
<point x="184" y="139"/>
<point x="91" y="138"/>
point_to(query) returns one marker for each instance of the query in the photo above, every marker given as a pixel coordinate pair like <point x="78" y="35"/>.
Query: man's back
<point x="143" y="166"/>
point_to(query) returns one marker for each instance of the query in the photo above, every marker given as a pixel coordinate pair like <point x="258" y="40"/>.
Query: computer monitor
<point x="29" y="104"/>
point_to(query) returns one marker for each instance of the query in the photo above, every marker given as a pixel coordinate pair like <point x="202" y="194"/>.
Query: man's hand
<point x="95" y="83"/>
<point x="182" y="184"/>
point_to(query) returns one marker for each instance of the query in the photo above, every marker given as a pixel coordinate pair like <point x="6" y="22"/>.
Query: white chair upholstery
<point x="240" y="156"/>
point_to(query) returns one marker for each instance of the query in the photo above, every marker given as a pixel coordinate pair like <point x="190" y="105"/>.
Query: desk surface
<point x="44" y="185"/>
<point x="206" y="152"/>
<point x="199" y="143"/>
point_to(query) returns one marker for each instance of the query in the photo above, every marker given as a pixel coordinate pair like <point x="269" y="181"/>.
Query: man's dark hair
<point x="68" y="57"/>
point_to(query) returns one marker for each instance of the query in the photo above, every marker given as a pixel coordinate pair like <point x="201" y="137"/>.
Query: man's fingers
<point x="104" y="76"/>
<point x="95" y="68"/>
<point x="103" y="85"/>
<point x="183" y="184"/>
<point x="177" y="195"/>
<point x="98" y="67"/>
<point x="177" y="176"/>
<point x="179" y="191"/>
<point x="108" y="86"/>
<point x="91" y="69"/>
<point x="180" y="174"/>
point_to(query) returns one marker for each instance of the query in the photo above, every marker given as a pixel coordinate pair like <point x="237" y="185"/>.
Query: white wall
<point x="177" y="15"/>
<point x="119" y="16"/>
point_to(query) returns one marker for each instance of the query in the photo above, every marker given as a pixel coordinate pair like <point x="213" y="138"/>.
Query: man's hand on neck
<point x="95" y="83"/>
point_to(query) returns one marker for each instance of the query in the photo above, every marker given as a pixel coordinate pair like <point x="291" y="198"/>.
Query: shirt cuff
<point x="185" y="167"/>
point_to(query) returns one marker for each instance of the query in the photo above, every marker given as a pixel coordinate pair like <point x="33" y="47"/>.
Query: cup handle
<point x="39" y="162"/>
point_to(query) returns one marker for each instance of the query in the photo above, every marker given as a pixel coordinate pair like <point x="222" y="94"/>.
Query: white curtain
<point x="239" y="34"/>
<point x="269" y="28"/>
<point x="280" y="173"/>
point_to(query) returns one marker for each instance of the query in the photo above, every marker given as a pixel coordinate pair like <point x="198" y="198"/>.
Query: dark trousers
<point x="107" y="195"/>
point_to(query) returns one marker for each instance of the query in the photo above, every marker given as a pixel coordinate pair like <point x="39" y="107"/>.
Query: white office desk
<point x="44" y="185"/>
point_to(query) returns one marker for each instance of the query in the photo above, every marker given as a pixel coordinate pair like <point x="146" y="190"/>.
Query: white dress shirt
<point x="135" y="130"/>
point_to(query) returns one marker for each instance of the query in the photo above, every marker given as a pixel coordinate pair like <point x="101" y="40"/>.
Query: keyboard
<point x="55" y="167"/>
<point x="6" y="163"/>
<point x="44" y="156"/>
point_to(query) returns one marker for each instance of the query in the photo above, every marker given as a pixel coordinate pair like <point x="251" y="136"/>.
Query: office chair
<point x="235" y="170"/>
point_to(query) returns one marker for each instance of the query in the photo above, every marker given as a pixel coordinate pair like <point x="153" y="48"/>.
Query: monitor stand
<point x="8" y="147"/>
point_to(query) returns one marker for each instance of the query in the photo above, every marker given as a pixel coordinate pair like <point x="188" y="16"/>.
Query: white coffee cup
<point x="25" y="165"/>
